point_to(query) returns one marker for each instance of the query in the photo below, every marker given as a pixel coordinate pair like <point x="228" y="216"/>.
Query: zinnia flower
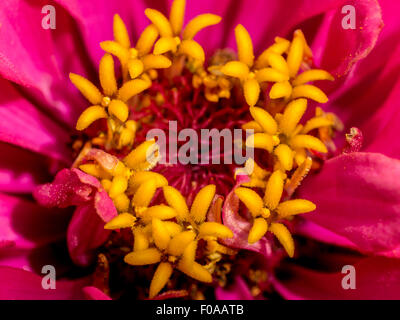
<point x="80" y="99"/>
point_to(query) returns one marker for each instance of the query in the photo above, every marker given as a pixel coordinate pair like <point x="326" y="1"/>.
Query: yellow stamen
<point x="175" y="199"/>
<point x="164" y="45"/>
<point x="274" y="190"/>
<point x="285" y="156"/>
<point x="173" y="228"/>
<point x="317" y="122"/>
<point x="160" y="278"/>
<point x="87" y="88"/>
<point x="252" y="125"/>
<point x="121" y="202"/>
<point x="141" y="240"/>
<point x="284" y="237"/>
<point x="264" y="119"/>
<point x="292" y="115"/>
<point x="198" y="23"/>
<point x="214" y="229"/>
<point x="192" y="49"/>
<point x="144" y="194"/>
<point x="160" y="21"/>
<point x="116" y="49"/>
<point x="280" y="90"/>
<point x="147" y="39"/>
<point x="120" y="33"/>
<point x="309" y="142"/>
<point x="138" y="178"/>
<point x="132" y="88"/>
<point x="95" y="170"/>
<point x="119" y="109"/>
<point x="244" y="45"/>
<point x="161" y="212"/>
<point x="260" y="141"/>
<point x="235" y="69"/>
<point x="176" y="15"/>
<point x="179" y="242"/>
<point x="143" y="257"/>
<point x="251" y="200"/>
<point x="258" y="230"/>
<point x="118" y="186"/>
<point x="251" y="90"/>
<point x="89" y="116"/>
<point x="188" y="266"/>
<point x="123" y="220"/>
<point x="151" y="61"/>
<point x="140" y="154"/>
<point x="160" y="234"/>
<point x="107" y="76"/>
<point x="293" y="207"/>
<point x="312" y="75"/>
<point x="135" y="68"/>
<point x="202" y="202"/>
<point x="295" y="55"/>
<point x="271" y="75"/>
<point x="311" y="92"/>
<point x="277" y="62"/>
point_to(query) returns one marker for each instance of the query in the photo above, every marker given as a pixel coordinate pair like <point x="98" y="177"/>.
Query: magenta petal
<point x="93" y="293"/>
<point x="241" y="227"/>
<point x="18" y="284"/>
<point x="85" y="234"/>
<point x="237" y="291"/>
<point x="358" y="197"/>
<point x="376" y="278"/>
<point x="70" y="187"/>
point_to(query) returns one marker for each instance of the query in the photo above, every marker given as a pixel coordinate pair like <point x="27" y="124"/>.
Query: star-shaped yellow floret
<point x="137" y="61"/>
<point x="267" y="212"/>
<point x="173" y="39"/>
<point x="283" y="135"/>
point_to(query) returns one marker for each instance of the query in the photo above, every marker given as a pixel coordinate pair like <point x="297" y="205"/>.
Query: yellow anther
<point x="265" y="213"/>
<point x="123" y="220"/>
<point x="300" y="156"/>
<point x="119" y="109"/>
<point x="160" y="234"/>
<point x="260" y="141"/>
<point x="307" y="49"/>
<point x="133" y="53"/>
<point x="141" y="239"/>
<point x="252" y="125"/>
<point x="215" y="229"/>
<point x="89" y="116"/>
<point x="251" y="200"/>
<point x="285" y="156"/>
<point x="126" y="137"/>
<point x="118" y="186"/>
<point x="135" y="68"/>
<point x="198" y="23"/>
<point x="151" y="61"/>
<point x="140" y="154"/>
<point x="88" y="89"/>
<point x="147" y="39"/>
<point x="173" y="228"/>
<point x="284" y="237"/>
<point x="138" y="178"/>
<point x="317" y="122"/>
<point x="177" y="15"/>
<point x="264" y="119"/>
<point x="278" y="48"/>
<point x="132" y="88"/>
<point x="277" y="62"/>
<point x="116" y="49"/>
<point x="293" y="207"/>
<point x="179" y="242"/>
<point x="312" y="75"/>
<point x="105" y="101"/>
<point x="160" y="278"/>
<point x="292" y="115"/>
<point x="244" y="45"/>
<point x="188" y="266"/>
<point x="251" y="90"/>
<point x="120" y="33"/>
<point x="271" y="75"/>
<point x="308" y="142"/>
<point x="311" y="92"/>
<point x="161" y="212"/>
<point x="202" y="202"/>
<point x="160" y="21"/>
<point x="258" y="230"/>
<point x="175" y="199"/>
<point x="274" y="190"/>
<point x="143" y="257"/>
<point x="295" y="55"/>
<point x="106" y="183"/>
<point x="153" y="74"/>
<point x="276" y="141"/>
<point x="94" y="170"/>
<point x="164" y="45"/>
<point x="120" y="170"/>
<point x="257" y="171"/>
<point x="107" y="76"/>
<point x="280" y="90"/>
<point x="192" y="49"/>
<point x="236" y="69"/>
<point x="144" y="194"/>
<point x="121" y="202"/>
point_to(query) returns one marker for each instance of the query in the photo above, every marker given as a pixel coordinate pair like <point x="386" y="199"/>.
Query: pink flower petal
<point x="18" y="284"/>
<point x="376" y="279"/>
<point x="358" y="197"/>
<point x="93" y="293"/>
<point x="237" y="291"/>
